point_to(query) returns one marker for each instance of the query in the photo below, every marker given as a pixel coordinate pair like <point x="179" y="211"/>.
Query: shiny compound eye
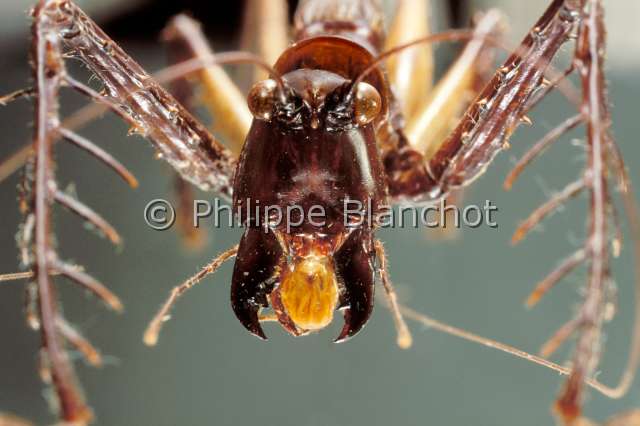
<point x="367" y="103"/>
<point x="262" y="99"/>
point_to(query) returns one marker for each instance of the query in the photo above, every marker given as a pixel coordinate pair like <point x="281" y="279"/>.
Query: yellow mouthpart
<point x="309" y="293"/>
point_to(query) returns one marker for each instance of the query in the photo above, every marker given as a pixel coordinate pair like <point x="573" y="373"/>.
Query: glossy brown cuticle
<point x="367" y="103"/>
<point x="262" y="99"/>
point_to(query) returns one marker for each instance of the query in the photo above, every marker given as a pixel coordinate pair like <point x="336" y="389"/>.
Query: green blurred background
<point x="208" y="370"/>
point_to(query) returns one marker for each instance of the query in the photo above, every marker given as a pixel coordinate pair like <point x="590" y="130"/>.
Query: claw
<point x="355" y="266"/>
<point x="258" y="257"/>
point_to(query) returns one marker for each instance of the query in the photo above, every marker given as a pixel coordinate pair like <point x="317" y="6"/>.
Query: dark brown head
<point x="311" y="145"/>
<point x="315" y="99"/>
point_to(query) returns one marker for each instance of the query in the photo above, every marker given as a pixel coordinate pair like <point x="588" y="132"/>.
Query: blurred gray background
<point x="208" y="370"/>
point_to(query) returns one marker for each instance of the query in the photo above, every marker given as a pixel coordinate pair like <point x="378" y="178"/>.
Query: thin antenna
<point x="234" y="57"/>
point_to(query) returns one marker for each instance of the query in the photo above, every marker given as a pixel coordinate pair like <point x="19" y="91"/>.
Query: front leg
<point x="485" y="131"/>
<point x="490" y="120"/>
<point x="62" y="30"/>
<point x="152" y="112"/>
<point x="408" y="147"/>
<point x="223" y="99"/>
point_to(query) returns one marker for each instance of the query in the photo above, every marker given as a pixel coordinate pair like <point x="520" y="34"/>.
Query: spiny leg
<point x="221" y="96"/>
<point x="485" y="130"/>
<point x="38" y="249"/>
<point x="428" y="126"/>
<point x="155" y="326"/>
<point x="265" y="31"/>
<point x="411" y="72"/>
<point x="138" y="99"/>
<point x="48" y="70"/>
<point x="92" y="111"/>
<point x="227" y="106"/>
<point x="404" y="338"/>
<point x="179" y="138"/>
<point x="404" y="153"/>
<point x="601" y="149"/>
<point x="435" y="115"/>
<point x="62" y="30"/>
<point x="498" y="110"/>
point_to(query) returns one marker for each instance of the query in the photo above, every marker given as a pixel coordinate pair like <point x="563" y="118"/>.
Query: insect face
<point x="312" y="145"/>
<point x="316" y="100"/>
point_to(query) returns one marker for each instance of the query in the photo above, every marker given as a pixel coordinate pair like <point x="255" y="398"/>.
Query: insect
<point x="335" y="119"/>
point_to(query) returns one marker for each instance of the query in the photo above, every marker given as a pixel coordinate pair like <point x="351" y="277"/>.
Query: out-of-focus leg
<point x="438" y="114"/>
<point x="265" y="31"/>
<point x="194" y="238"/>
<point x="221" y="96"/>
<point x="411" y="71"/>
<point x="8" y="419"/>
